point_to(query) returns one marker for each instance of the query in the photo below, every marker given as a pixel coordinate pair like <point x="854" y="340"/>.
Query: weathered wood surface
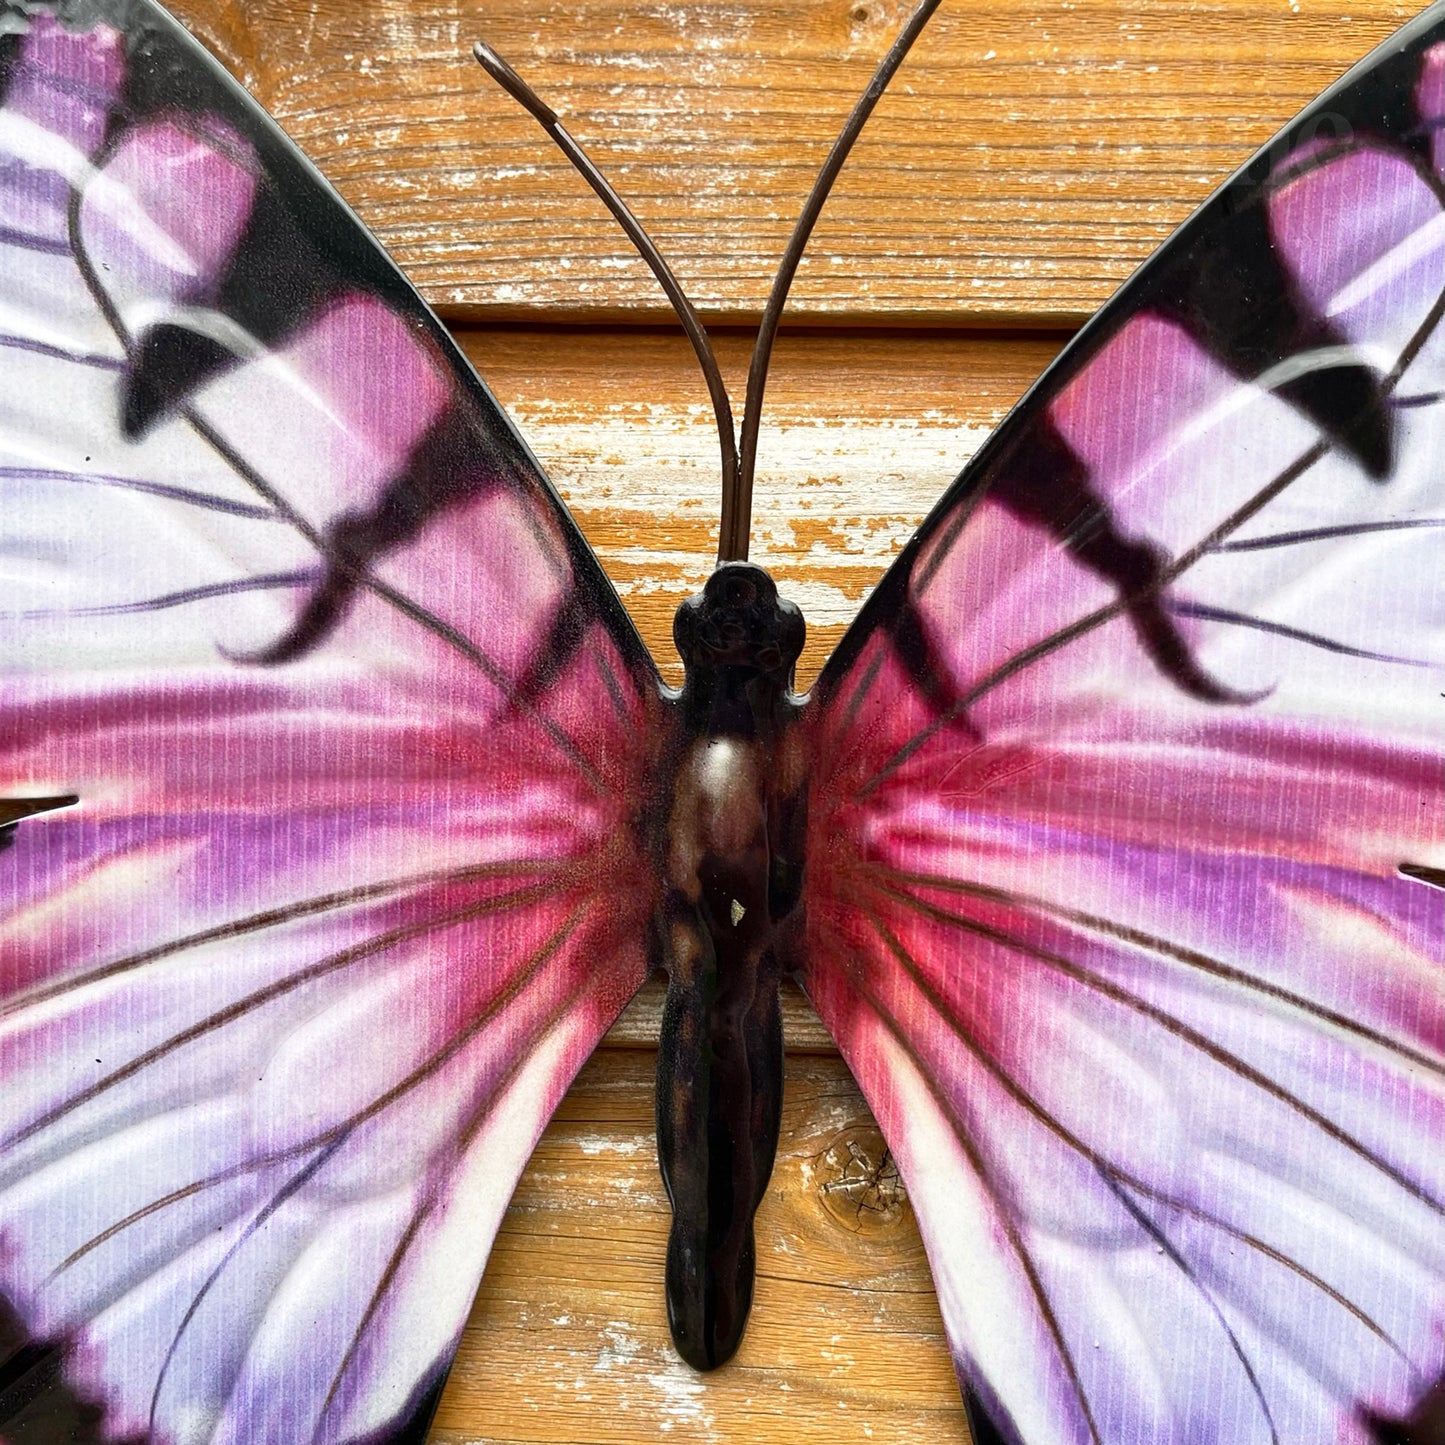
<point x="862" y="434"/>
<point x="1030" y="156"/>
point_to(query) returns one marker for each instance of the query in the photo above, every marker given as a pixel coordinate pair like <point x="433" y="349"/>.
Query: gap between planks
<point x="861" y="435"/>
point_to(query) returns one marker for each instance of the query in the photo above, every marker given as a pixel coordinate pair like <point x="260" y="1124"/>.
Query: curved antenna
<point x="528" y="98"/>
<point x="738" y="502"/>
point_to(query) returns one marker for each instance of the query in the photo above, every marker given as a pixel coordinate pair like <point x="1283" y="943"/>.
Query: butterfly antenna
<point x="738" y="504"/>
<point x="528" y="98"/>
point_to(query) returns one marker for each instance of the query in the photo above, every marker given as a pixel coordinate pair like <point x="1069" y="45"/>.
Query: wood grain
<point x="861" y="435"/>
<point x="1028" y="158"/>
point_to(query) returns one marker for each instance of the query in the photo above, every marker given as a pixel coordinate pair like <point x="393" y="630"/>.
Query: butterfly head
<point x="739" y="621"/>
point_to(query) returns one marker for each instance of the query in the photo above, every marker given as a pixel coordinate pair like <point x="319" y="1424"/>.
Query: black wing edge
<point x="981" y="1427"/>
<point x="1425" y="1424"/>
<point x="38" y="1407"/>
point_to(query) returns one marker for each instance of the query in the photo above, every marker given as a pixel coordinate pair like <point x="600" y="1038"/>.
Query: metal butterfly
<point x="1108" y="844"/>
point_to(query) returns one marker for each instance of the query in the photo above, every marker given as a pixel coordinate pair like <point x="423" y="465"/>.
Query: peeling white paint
<point x="619" y="1348"/>
<point x="682" y="1399"/>
<point x="605" y="1144"/>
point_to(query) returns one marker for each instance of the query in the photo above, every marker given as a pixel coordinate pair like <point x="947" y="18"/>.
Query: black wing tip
<point x="981" y="1421"/>
<point x="37" y="1404"/>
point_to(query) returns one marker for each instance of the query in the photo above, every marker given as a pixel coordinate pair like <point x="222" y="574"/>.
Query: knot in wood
<point x="859" y="1182"/>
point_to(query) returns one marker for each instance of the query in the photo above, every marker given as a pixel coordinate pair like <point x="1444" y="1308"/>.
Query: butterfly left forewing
<point x="1118" y="771"/>
<point x="357" y="730"/>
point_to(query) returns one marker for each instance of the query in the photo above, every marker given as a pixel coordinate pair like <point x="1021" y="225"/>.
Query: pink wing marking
<point x="322" y="426"/>
<point x="56" y="107"/>
<point x="446" y="1008"/>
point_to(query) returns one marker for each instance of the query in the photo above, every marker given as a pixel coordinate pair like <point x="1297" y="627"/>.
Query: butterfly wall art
<point x="1107" y="843"/>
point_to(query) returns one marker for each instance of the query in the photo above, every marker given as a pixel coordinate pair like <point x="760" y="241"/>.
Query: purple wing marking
<point x="286" y="1001"/>
<point x="55" y="114"/>
<point x="1150" y="1015"/>
<point x="1430" y="98"/>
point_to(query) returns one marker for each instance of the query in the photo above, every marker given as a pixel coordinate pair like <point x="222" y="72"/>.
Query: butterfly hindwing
<point x="352" y="888"/>
<point x="1115" y="778"/>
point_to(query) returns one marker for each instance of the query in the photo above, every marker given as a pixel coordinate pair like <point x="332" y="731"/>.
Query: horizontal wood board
<point x="1027" y="159"/>
<point x="862" y="433"/>
<point x="568" y="1340"/>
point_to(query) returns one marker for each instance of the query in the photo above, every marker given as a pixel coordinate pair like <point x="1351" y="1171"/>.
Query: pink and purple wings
<point x="1127" y="828"/>
<point x="355" y="724"/>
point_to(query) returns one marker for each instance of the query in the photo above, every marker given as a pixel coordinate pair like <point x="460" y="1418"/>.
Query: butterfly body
<point x="733" y="864"/>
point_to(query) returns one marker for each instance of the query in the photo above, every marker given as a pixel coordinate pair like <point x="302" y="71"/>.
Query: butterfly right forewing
<point x="1116" y="776"/>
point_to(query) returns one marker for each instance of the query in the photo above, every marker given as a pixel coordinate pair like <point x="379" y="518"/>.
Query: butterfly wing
<point x="357" y="728"/>
<point x="1125" y="832"/>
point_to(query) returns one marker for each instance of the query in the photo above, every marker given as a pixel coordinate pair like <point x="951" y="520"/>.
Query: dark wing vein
<point x="286" y="1191"/>
<point x="274" y="918"/>
<point x="340" y="1133"/>
<point x="28" y="241"/>
<point x="1172" y="1253"/>
<point x="1321" y="534"/>
<point x="140" y="484"/>
<point x="1269" y="1251"/>
<point x="1295" y="634"/>
<point x="1193" y="1037"/>
<point x="270" y="582"/>
<point x="59" y="353"/>
<point x="344" y="958"/>
<point x="1191" y="958"/>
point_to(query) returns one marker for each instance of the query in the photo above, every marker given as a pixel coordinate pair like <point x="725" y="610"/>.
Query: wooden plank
<point x="862" y="433"/>
<point x="568" y="1340"/>
<point x="1030" y="156"/>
